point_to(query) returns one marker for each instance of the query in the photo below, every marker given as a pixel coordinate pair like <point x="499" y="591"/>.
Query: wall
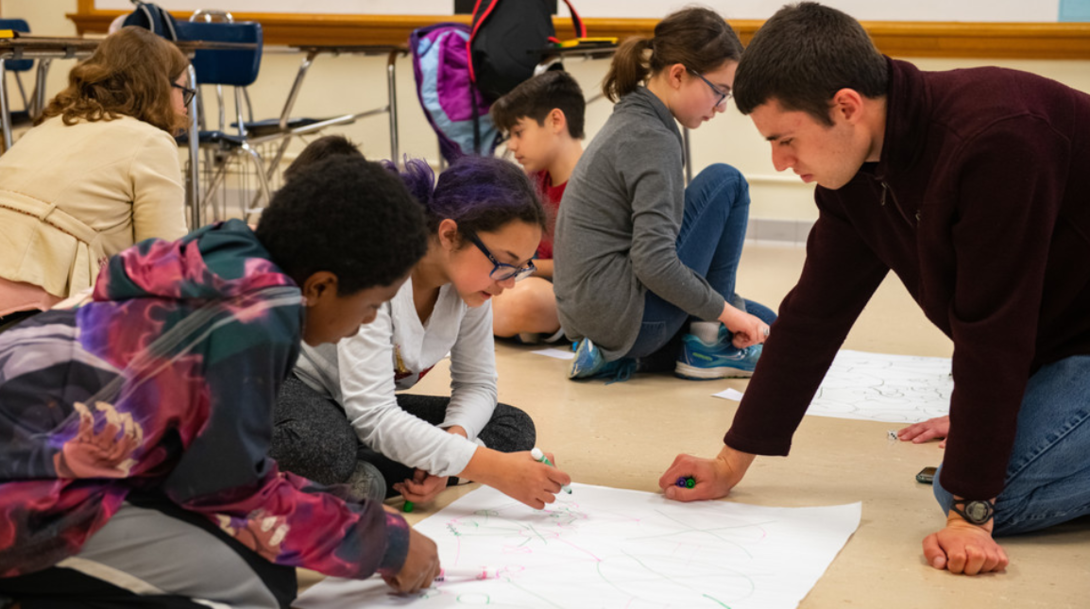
<point x="338" y="85"/>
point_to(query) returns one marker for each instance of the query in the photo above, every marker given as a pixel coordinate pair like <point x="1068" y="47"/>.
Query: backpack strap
<point x="477" y="23"/>
<point x="577" y="21"/>
<point x="159" y="21"/>
<point x="168" y="21"/>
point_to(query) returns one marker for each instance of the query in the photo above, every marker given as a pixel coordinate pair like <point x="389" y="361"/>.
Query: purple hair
<point x="481" y="194"/>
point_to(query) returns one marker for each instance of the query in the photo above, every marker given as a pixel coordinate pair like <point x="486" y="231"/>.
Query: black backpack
<point x="506" y="40"/>
<point x="151" y="17"/>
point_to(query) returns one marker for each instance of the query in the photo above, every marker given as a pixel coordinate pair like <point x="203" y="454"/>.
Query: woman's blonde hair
<point x="130" y="74"/>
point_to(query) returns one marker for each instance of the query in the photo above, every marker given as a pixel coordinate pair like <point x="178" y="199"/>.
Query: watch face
<point x="978" y="512"/>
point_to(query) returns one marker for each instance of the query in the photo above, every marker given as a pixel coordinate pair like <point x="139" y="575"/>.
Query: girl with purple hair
<point x="338" y="419"/>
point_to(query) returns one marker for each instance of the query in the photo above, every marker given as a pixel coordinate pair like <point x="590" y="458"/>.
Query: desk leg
<point x="391" y="94"/>
<point x="41" y="77"/>
<point x="285" y="116"/>
<point x="193" y="180"/>
<point x="5" y="110"/>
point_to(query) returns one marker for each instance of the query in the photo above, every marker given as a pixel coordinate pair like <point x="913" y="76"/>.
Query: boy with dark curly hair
<point x="135" y="427"/>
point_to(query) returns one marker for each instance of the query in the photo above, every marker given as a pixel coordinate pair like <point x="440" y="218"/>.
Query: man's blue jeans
<point x="1048" y="476"/>
<point x="713" y="229"/>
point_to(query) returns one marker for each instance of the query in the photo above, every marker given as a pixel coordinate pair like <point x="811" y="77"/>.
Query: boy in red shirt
<point x="543" y="120"/>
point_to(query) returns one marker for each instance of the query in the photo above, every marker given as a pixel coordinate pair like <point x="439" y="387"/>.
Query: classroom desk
<point x="550" y="55"/>
<point x="312" y="51"/>
<point x="48" y="48"/>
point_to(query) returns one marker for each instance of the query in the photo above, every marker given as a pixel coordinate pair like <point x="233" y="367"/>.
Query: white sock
<point x="707" y="331"/>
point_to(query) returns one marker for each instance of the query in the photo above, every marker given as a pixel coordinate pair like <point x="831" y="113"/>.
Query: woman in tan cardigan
<point x="97" y="174"/>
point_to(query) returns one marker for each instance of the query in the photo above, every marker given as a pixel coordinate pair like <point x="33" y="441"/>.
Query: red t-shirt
<point x="551" y="198"/>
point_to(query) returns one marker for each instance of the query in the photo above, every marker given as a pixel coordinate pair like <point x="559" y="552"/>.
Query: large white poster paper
<point x="603" y="547"/>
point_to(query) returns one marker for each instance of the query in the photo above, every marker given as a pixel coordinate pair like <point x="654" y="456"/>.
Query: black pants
<point x="312" y="436"/>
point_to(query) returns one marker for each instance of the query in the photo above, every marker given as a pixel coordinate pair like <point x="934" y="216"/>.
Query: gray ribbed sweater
<point x="616" y="232"/>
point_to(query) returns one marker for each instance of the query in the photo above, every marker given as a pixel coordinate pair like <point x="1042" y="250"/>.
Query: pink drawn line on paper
<point x="588" y="552"/>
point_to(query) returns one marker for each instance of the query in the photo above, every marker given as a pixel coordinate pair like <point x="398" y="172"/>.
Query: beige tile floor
<point x="624" y="435"/>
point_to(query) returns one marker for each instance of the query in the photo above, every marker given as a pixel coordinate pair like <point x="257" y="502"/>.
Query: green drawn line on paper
<point x="743" y="576"/>
<point x="487" y="599"/>
<point x="540" y="536"/>
<point x="721" y="603"/>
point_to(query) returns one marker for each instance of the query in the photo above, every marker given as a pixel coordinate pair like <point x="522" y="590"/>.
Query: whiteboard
<point x="864" y="10"/>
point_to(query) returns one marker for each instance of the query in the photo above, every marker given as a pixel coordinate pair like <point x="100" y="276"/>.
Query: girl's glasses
<point x="721" y="103"/>
<point x="501" y="271"/>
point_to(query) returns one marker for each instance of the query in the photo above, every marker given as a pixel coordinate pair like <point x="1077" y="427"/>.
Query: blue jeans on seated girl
<point x="713" y="229"/>
<point x="1048" y="475"/>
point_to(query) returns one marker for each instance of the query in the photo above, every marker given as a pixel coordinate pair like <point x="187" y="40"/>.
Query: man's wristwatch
<point x="975" y="511"/>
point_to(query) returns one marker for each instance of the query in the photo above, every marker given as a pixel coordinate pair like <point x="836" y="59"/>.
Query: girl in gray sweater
<point x="637" y="252"/>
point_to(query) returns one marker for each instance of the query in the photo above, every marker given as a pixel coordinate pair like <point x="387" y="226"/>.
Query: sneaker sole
<point x="694" y="373"/>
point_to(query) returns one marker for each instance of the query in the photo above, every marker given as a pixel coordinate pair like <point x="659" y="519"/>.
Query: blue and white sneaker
<point x="701" y="361"/>
<point x="589" y="363"/>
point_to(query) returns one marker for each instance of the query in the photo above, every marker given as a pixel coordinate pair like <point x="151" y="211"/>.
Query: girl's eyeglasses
<point x="501" y="271"/>
<point x="721" y="103"/>
<point x="187" y="93"/>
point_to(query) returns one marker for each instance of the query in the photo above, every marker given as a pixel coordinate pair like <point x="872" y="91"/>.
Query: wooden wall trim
<point x="897" y="38"/>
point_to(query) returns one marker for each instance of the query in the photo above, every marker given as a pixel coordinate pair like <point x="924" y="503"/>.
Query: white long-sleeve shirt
<point x="394" y="352"/>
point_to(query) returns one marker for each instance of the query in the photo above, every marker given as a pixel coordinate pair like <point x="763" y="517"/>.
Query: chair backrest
<point x="224" y="67"/>
<point x="18" y="25"/>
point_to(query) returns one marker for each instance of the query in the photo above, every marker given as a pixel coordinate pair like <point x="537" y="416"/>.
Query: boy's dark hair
<point x="803" y="55"/>
<point x="537" y="97"/>
<point x="347" y="216"/>
<point x="697" y="38"/>
<point x="482" y="194"/>
<point x="322" y="148"/>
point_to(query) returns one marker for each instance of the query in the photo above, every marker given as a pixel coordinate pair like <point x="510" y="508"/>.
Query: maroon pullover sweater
<point x="980" y="203"/>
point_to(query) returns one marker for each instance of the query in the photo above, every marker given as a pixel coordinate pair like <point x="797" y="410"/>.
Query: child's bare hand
<point x="422" y="488"/>
<point x="518" y="476"/>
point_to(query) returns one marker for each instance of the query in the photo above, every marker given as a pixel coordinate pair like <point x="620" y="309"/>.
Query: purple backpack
<point x="455" y="108"/>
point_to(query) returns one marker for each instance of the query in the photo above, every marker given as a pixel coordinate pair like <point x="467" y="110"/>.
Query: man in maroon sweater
<point x="973" y="186"/>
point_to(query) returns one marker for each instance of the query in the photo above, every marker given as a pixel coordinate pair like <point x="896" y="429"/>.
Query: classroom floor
<point x="625" y="435"/>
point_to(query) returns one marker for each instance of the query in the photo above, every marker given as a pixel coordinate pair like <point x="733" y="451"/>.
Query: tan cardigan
<point x="70" y="196"/>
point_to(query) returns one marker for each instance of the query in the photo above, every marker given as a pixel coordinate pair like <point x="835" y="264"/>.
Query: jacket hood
<point x="218" y="261"/>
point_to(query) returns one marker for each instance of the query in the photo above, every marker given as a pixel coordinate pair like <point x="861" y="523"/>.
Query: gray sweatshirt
<point x="616" y="232"/>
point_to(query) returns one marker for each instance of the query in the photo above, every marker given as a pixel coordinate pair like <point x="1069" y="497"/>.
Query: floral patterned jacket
<point x="164" y="383"/>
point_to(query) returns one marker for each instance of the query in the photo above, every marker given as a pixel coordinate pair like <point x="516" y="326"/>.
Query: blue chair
<point x="226" y="68"/>
<point x="239" y="69"/>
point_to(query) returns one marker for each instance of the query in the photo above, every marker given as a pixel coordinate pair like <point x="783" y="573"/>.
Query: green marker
<point x="541" y="458"/>
<point x="686" y="482"/>
<point x="407" y="507"/>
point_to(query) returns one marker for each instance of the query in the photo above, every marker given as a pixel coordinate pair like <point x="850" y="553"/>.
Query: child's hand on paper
<point x="421" y="565"/>
<point x="938" y="427"/>
<point x="714" y="477"/>
<point x="422" y="488"/>
<point x="517" y="475"/>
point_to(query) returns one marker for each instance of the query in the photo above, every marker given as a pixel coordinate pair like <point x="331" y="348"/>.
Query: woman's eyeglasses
<point x="500" y="270"/>
<point x="721" y="103"/>
<point x="187" y="93"/>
